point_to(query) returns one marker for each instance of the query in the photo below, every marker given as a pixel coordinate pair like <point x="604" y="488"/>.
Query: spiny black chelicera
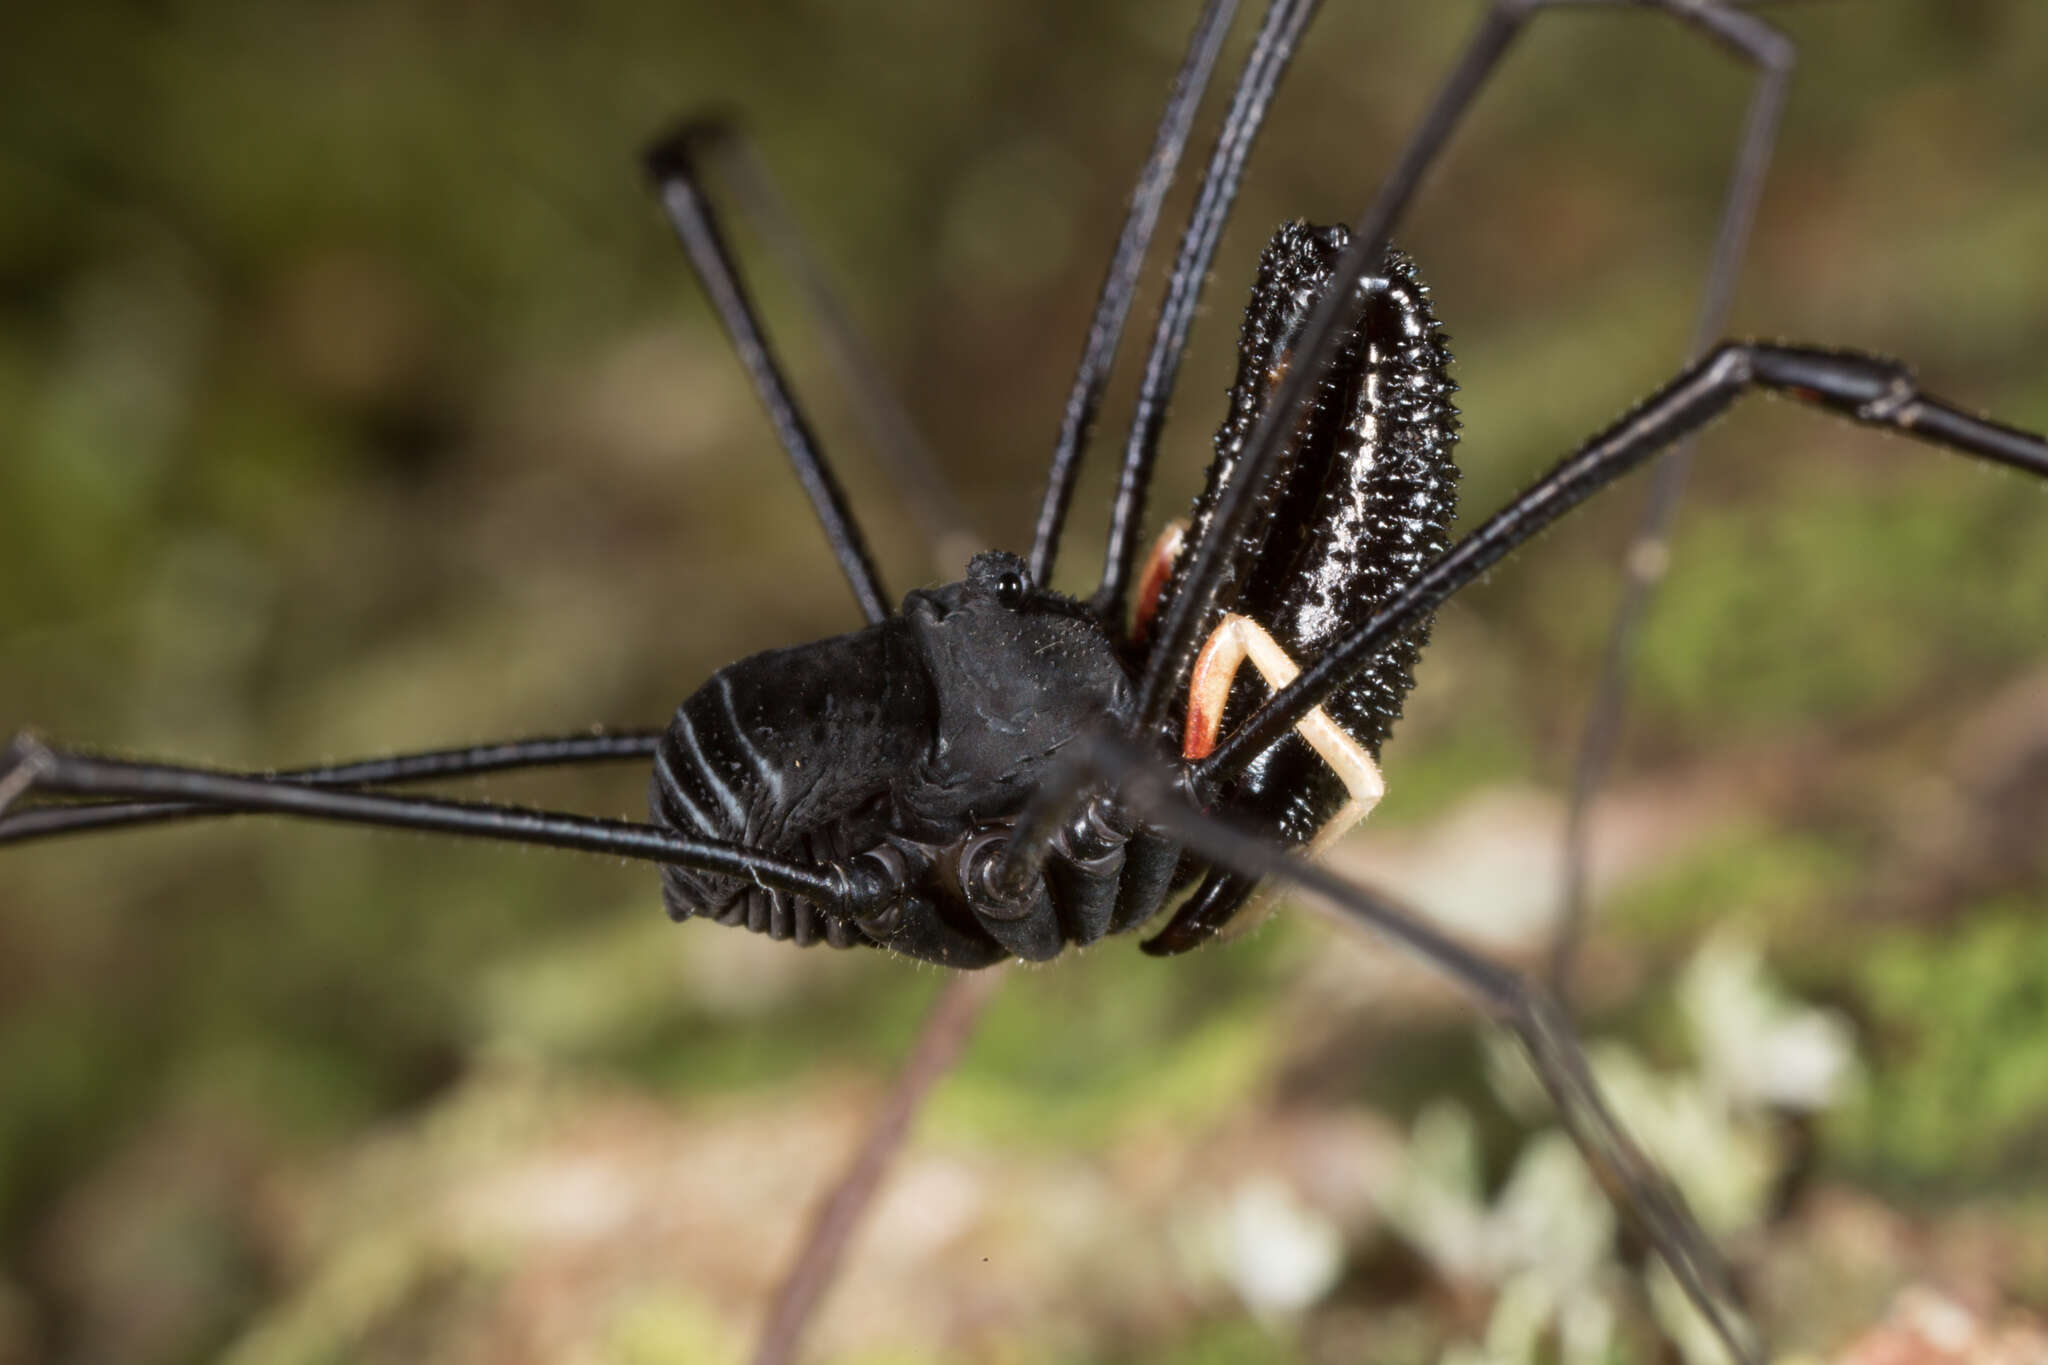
<point x="1360" y="500"/>
<point x="920" y="738"/>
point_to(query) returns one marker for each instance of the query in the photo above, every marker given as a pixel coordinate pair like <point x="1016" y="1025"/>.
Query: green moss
<point x="1235" y="1341"/>
<point x="1068" y="1056"/>
<point x="668" y="1328"/>
<point x="1763" y="879"/>
<point x="65" y="1079"/>
<point x="1845" y="602"/>
<point x="1959" y="1083"/>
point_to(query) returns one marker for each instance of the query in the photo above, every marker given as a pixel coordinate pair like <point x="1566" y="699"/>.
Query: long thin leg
<point x="672" y="164"/>
<point x="1279" y="35"/>
<point x="1641" y="1192"/>
<point x="433" y="765"/>
<point x="30" y="765"/>
<point x="817" y="1259"/>
<point x="1648" y="554"/>
<point x="1120" y="283"/>
<point x="1874" y="392"/>
<point x="941" y="1037"/>
<point x="952" y="1020"/>
<point x="1167" y="662"/>
<point x="948" y="530"/>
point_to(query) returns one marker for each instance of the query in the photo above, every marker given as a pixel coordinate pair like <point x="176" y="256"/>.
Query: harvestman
<point x="1055" y="774"/>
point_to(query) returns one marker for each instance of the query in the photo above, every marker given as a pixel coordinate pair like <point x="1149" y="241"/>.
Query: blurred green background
<point x="354" y="398"/>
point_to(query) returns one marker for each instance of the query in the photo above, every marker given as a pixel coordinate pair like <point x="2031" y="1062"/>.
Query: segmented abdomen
<point x="791" y="752"/>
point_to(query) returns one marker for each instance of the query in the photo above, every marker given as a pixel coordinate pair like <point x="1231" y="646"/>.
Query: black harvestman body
<point x="1873" y="393"/>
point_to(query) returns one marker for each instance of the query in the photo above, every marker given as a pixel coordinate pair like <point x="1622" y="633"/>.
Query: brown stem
<point x="944" y="1033"/>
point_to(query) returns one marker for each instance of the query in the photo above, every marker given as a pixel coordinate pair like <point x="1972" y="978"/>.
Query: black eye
<point x="1010" y="589"/>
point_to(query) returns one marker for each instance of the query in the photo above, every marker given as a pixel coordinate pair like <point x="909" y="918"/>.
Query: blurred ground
<point x="353" y="398"/>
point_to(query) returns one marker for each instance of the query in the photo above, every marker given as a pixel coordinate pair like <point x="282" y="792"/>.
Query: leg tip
<point x="675" y="154"/>
<point x="27" y="759"/>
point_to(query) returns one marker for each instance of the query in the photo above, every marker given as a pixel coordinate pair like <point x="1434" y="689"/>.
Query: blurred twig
<point x="943" y="1034"/>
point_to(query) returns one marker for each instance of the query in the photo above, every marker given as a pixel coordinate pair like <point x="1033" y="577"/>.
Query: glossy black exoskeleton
<point x="918" y="740"/>
<point x="916" y="737"/>
<point x="1360" y="501"/>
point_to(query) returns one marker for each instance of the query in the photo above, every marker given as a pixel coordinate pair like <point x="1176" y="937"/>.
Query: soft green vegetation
<point x="1847" y="602"/>
<point x="1961" y="1096"/>
<point x="1771" y="884"/>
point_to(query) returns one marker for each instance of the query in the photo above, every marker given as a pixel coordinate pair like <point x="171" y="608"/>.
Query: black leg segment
<point x="1868" y="390"/>
<point x="724" y="148"/>
<point x="29" y="765"/>
<point x="433" y="765"/>
<point x="1174" y="650"/>
<point x="1120" y="283"/>
<point x="1772" y="54"/>
<point x="1272" y="50"/>
<point x="1645" y="1198"/>
<point x="671" y="163"/>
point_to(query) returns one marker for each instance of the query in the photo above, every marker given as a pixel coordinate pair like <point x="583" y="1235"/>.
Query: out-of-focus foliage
<point x="354" y="398"/>
<point x="1544" y="1243"/>
<point x="1965" y="1009"/>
